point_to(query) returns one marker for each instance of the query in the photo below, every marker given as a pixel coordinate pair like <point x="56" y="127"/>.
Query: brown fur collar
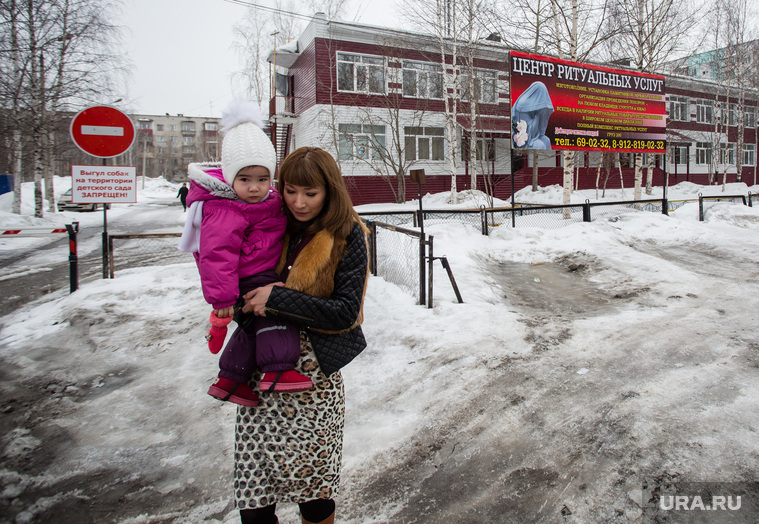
<point x="313" y="272"/>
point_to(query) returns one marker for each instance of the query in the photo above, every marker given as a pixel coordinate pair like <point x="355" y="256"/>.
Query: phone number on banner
<point x="610" y="143"/>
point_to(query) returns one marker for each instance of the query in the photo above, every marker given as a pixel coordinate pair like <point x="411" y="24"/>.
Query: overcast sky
<point x="183" y="56"/>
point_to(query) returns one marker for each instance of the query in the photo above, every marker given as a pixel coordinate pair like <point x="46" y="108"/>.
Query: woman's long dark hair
<point x="314" y="167"/>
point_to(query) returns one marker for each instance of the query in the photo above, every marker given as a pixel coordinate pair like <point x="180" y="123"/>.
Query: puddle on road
<point x="551" y="287"/>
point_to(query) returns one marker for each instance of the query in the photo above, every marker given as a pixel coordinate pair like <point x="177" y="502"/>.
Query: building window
<point x="145" y="125"/>
<point x="360" y="73"/>
<point x="189" y="140"/>
<point x="749" y="154"/>
<point x="680" y="154"/>
<point x="703" y="153"/>
<point x="172" y="127"/>
<point x="360" y="141"/>
<point x="422" y="80"/>
<point x="705" y="111"/>
<point x="189" y="150"/>
<point x="188" y="127"/>
<point x="749" y="117"/>
<point x="160" y="138"/>
<point x="424" y="143"/>
<point x="174" y="139"/>
<point x="727" y="154"/>
<point x="732" y="115"/>
<point x="678" y="108"/>
<point x="485" y="150"/>
<point x="159" y="127"/>
<point x="211" y="126"/>
<point x="484" y="86"/>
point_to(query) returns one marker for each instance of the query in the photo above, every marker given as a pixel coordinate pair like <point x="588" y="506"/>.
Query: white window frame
<point x="482" y="151"/>
<point x="487" y="78"/>
<point x="361" y="68"/>
<point x="360" y="142"/>
<point x="749" y="117"/>
<point x="727" y="154"/>
<point x="749" y="154"/>
<point x="704" y="111"/>
<point x="424" y="143"/>
<point x="680" y="152"/>
<point x="427" y="79"/>
<point x="703" y="153"/>
<point x="678" y="108"/>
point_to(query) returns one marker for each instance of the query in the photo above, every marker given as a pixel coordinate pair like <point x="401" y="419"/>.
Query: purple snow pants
<point x="270" y="344"/>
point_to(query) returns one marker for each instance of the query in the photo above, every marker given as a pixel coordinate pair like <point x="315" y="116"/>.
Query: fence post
<point x="73" y="229"/>
<point x="430" y="260"/>
<point x="700" y="207"/>
<point x="484" y="221"/>
<point x="422" y="256"/>
<point x="664" y="207"/>
<point x="586" y="211"/>
<point x="749" y="200"/>
<point x="373" y="248"/>
<point x="111" y="263"/>
<point x="447" y="267"/>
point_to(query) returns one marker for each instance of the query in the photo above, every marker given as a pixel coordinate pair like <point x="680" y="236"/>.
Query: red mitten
<point x="217" y="333"/>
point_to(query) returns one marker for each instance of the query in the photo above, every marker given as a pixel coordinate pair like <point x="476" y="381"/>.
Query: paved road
<point x="20" y="283"/>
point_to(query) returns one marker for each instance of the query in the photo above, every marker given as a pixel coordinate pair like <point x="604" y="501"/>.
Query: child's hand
<point x="224" y="312"/>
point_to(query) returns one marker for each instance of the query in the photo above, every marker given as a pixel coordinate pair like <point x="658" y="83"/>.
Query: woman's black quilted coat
<point x="336" y="313"/>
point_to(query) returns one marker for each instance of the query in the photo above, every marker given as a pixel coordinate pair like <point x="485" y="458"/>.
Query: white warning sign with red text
<point x="103" y="184"/>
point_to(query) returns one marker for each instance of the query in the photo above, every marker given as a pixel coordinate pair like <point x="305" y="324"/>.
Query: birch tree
<point x="526" y="25"/>
<point x="649" y="33"/>
<point x="438" y="18"/>
<point x="579" y="31"/>
<point x="57" y="55"/>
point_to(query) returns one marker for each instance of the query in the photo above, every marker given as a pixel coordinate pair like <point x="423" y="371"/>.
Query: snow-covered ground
<point x="585" y="361"/>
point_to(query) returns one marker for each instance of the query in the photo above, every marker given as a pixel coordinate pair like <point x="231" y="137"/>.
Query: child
<point x="234" y="229"/>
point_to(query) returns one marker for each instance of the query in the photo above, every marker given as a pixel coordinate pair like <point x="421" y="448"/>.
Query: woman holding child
<point x="288" y="449"/>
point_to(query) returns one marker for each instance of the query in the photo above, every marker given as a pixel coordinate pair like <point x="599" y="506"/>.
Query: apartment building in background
<point x="166" y="144"/>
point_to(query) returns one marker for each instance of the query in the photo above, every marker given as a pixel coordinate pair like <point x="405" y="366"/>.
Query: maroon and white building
<point x="375" y="98"/>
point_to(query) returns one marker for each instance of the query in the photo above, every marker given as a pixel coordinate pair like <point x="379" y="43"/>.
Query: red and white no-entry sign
<point x="102" y="131"/>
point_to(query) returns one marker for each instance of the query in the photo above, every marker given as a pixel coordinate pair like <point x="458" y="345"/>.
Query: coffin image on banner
<point x="558" y="104"/>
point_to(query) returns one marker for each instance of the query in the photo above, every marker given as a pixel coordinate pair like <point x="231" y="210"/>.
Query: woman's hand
<point x="255" y="300"/>
<point x="224" y="312"/>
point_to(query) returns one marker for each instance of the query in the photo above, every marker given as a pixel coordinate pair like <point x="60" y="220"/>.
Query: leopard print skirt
<point x="289" y="448"/>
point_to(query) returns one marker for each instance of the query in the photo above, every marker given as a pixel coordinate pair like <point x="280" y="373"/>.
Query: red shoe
<point x="217" y="333"/>
<point x="237" y="392"/>
<point x="284" y="381"/>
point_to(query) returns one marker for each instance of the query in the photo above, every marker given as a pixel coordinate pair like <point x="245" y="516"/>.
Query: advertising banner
<point x="103" y="184"/>
<point x="558" y="104"/>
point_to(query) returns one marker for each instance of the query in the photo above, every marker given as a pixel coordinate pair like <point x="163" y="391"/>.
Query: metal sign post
<point x="104" y="132"/>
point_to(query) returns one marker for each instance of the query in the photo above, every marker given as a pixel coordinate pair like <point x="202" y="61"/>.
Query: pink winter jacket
<point x="237" y="239"/>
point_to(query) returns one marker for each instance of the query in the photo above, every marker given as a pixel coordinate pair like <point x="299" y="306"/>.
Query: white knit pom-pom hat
<point x="244" y="143"/>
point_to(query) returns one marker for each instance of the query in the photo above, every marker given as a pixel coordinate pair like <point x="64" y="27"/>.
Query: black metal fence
<point x="144" y="250"/>
<point x="704" y="201"/>
<point x="398" y="255"/>
<point x="405" y="256"/>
